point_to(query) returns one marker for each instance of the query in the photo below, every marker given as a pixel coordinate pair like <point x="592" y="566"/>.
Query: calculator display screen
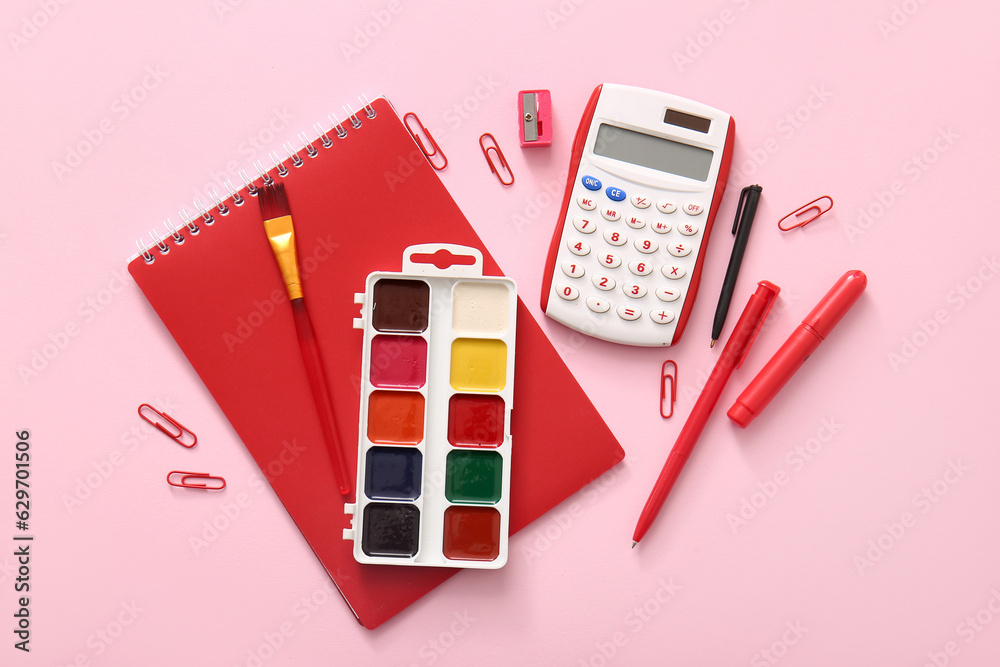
<point x="653" y="152"/>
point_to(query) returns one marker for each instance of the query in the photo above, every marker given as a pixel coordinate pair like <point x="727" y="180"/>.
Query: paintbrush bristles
<point x="273" y="202"/>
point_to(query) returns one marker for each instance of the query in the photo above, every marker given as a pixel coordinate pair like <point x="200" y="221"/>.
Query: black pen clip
<point x="740" y="206"/>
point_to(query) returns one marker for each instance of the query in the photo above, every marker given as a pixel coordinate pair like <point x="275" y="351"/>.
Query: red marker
<point x="803" y="342"/>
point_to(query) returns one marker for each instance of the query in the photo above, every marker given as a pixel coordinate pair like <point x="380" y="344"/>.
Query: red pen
<point x="732" y="357"/>
<point x="803" y="342"/>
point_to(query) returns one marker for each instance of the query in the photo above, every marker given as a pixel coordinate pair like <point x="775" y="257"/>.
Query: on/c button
<point x="591" y="183"/>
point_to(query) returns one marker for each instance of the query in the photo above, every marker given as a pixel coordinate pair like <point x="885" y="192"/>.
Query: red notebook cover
<point x="355" y="206"/>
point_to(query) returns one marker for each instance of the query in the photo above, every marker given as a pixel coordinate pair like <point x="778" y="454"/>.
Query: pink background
<point x="888" y="107"/>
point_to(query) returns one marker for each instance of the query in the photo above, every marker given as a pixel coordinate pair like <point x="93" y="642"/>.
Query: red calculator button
<point x="634" y="290"/>
<point x="668" y="293"/>
<point x="572" y="269"/>
<point x="611" y="214"/>
<point x="643" y="268"/>
<point x="666" y="206"/>
<point x="584" y="225"/>
<point x="660" y="227"/>
<point x="602" y="282"/>
<point x="693" y="209"/>
<point x="640" y="202"/>
<point x="586" y="202"/>
<point x="679" y="249"/>
<point x="611" y="261"/>
<point x="598" y="305"/>
<point x="578" y="247"/>
<point x="646" y="245"/>
<point x="629" y="313"/>
<point x="662" y="316"/>
<point x="634" y="221"/>
<point x="567" y="292"/>
<point x="688" y="229"/>
<point x="673" y="271"/>
<point x="615" y="238"/>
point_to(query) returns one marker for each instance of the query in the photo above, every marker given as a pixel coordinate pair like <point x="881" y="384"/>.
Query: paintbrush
<point x="281" y="233"/>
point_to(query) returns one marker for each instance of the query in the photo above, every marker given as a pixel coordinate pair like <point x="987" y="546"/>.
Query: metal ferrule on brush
<point x="281" y="234"/>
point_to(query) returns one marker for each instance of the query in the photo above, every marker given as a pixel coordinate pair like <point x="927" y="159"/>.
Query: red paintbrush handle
<point x="321" y="394"/>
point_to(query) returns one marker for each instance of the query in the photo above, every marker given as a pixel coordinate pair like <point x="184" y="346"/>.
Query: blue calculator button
<point x="615" y="194"/>
<point x="591" y="183"/>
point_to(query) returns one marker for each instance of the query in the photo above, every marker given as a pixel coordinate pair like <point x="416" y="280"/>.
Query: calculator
<point x="646" y="176"/>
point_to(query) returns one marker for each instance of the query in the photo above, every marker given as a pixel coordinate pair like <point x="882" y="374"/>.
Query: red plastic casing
<point x="793" y="353"/>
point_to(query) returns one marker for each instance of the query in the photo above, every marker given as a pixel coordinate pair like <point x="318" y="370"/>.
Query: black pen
<point x="745" y="212"/>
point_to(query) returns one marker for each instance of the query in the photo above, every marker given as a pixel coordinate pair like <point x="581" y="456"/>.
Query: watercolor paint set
<point x="437" y="382"/>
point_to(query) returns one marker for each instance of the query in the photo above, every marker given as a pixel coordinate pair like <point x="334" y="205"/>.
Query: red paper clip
<point x="499" y="153"/>
<point x="430" y="139"/>
<point x="811" y="206"/>
<point x="185" y="476"/>
<point x="181" y="430"/>
<point x="664" y="377"/>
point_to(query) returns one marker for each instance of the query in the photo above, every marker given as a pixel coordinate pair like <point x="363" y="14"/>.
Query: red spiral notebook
<point x="356" y="205"/>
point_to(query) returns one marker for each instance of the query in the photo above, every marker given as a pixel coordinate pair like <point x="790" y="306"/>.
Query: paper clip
<point x="420" y="143"/>
<point x="811" y="206"/>
<point x="185" y="476"/>
<point x="181" y="430"/>
<point x="499" y="153"/>
<point x="666" y="376"/>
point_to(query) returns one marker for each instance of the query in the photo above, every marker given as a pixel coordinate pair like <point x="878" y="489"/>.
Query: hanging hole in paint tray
<point x="442" y="259"/>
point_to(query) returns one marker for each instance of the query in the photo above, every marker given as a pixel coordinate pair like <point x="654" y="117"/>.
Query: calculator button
<point x="591" y="183"/>
<point x="634" y="221"/>
<point x="688" y="229"/>
<point x="640" y="268"/>
<point x="646" y="245"/>
<point x="667" y="293"/>
<point x="666" y="206"/>
<point x="603" y="282"/>
<point x="634" y="290"/>
<point x="629" y="313"/>
<point x="567" y="292"/>
<point x="584" y="225"/>
<point x="640" y="202"/>
<point x="673" y="271"/>
<point x="611" y="261"/>
<point x="679" y="249"/>
<point x="614" y="238"/>
<point x="578" y="247"/>
<point x="662" y="316"/>
<point x="572" y="269"/>
<point x="586" y="203"/>
<point x="611" y="214"/>
<point x="693" y="209"/>
<point x="615" y="194"/>
<point x="598" y="305"/>
<point x="660" y="227"/>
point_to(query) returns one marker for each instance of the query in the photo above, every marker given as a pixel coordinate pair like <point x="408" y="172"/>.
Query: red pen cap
<point x="832" y="307"/>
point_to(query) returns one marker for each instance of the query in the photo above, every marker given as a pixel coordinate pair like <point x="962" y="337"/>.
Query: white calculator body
<point x="646" y="176"/>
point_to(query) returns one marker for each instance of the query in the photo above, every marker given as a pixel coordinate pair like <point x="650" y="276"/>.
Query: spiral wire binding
<point x="337" y="125"/>
<point x="307" y="145"/>
<point x="172" y="231"/>
<point x="219" y="204"/>
<point x="292" y="155"/>
<point x="251" y="188"/>
<point x="323" y="137"/>
<point x="234" y="194"/>
<point x="192" y="227"/>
